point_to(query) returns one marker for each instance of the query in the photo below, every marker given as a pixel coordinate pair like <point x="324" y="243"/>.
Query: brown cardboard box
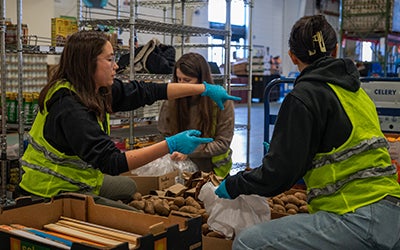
<point x="173" y="232"/>
<point x="61" y="28"/>
<point x="213" y="243"/>
<point x="11" y="34"/>
<point x="145" y="184"/>
<point x="240" y="68"/>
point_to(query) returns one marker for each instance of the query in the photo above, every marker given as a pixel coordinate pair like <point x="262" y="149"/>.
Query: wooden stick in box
<point x="100" y="231"/>
<point x="102" y="227"/>
<point x="81" y="234"/>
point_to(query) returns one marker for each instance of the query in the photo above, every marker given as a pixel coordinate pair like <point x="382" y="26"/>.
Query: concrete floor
<point x="255" y="139"/>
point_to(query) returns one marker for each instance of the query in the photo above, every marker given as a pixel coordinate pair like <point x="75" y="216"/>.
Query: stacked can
<point x="27" y="107"/>
<point x="35" y="105"/>
<point x="12" y="106"/>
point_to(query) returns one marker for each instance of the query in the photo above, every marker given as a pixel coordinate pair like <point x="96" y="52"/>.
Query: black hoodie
<point x="310" y="120"/>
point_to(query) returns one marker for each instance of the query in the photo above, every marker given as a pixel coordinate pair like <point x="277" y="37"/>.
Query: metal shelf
<point x="167" y="4"/>
<point x="164" y="78"/>
<point x="35" y="45"/>
<point x="147" y="26"/>
<point x="371" y="20"/>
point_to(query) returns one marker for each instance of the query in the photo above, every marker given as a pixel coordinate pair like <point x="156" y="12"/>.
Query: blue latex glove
<point x="266" y="146"/>
<point x="186" y="142"/>
<point x="221" y="191"/>
<point x="218" y="94"/>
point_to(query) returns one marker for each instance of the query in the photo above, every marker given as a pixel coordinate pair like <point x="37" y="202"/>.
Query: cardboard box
<point x="394" y="145"/>
<point x="61" y="27"/>
<point x="213" y="243"/>
<point x="173" y="232"/>
<point x="11" y="34"/>
<point x="145" y="184"/>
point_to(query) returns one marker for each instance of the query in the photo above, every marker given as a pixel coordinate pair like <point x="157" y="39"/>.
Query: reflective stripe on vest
<point x="223" y="162"/>
<point x="336" y="181"/>
<point x="54" y="158"/>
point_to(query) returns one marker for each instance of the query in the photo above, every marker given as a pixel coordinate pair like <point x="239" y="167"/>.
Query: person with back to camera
<point x="70" y="149"/>
<point x="199" y="112"/>
<point x="328" y="132"/>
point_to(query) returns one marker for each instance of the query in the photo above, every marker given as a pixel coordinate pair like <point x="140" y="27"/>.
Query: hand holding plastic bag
<point x="230" y="217"/>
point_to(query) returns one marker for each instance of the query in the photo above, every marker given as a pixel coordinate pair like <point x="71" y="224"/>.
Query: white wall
<point x="35" y="13"/>
<point x="273" y="20"/>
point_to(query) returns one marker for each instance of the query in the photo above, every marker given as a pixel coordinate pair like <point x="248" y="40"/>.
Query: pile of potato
<point x="185" y="204"/>
<point x="291" y="202"/>
<point x="164" y="205"/>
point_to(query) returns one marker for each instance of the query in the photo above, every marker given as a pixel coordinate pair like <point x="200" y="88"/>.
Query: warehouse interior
<point x="245" y="43"/>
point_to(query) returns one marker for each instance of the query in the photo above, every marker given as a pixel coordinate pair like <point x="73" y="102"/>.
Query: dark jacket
<point x="310" y="120"/>
<point x="73" y="129"/>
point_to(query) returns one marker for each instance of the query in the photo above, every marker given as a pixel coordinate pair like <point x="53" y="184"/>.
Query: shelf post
<point x="3" y="138"/>
<point x="250" y="81"/>
<point x="132" y="67"/>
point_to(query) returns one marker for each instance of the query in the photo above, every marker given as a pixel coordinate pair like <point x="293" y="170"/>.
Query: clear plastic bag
<point x="164" y="165"/>
<point x="230" y="217"/>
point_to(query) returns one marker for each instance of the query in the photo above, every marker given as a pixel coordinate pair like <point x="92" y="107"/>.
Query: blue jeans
<point x="376" y="226"/>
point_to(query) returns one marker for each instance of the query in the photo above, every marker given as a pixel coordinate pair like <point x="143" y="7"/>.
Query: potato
<point x="149" y="207"/>
<point x="303" y="209"/>
<point x="205" y="229"/>
<point x="293" y="199"/>
<point x="174" y="207"/>
<point x="303" y="203"/>
<point x="137" y="196"/>
<point x="301" y="196"/>
<point x="190" y="201"/>
<point x="137" y="204"/>
<point x="179" y="201"/>
<point x="291" y="211"/>
<point x="277" y="200"/>
<point x="291" y="206"/>
<point x="284" y="198"/>
<point x="204" y="217"/>
<point x="189" y="209"/>
<point x="160" y="207"/>
<point x="279" y="208"/>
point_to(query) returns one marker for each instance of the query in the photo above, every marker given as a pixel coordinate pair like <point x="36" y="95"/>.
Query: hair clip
<point x="321" y="43"/>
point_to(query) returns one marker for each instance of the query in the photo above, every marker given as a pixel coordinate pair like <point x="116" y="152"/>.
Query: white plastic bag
<point x="230" y="217"/>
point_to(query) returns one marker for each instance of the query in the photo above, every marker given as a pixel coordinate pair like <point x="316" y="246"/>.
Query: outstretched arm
<point x="179" y="90"/>
<point x="216" y="92"/>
